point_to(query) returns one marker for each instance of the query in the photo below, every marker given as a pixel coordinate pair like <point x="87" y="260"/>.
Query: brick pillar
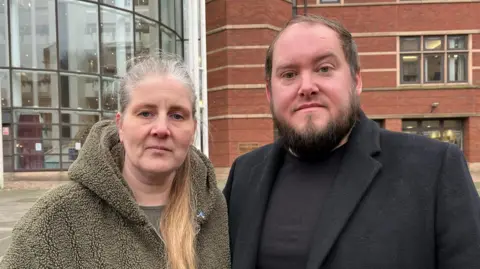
<point x="393" y="125"/>
<point x="471" y="145"/>
<point x="238" y="35"/>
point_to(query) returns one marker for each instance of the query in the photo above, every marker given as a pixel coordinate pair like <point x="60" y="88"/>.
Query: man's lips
<point x="308" y="105"/>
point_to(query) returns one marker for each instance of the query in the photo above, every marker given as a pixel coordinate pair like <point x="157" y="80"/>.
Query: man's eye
<point x="289" y="75"/>
<point x="325" y="69"/>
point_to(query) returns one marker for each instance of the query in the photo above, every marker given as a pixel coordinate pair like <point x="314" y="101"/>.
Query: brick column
<point x="393" y="125"/>
<point x="238" y="35"/>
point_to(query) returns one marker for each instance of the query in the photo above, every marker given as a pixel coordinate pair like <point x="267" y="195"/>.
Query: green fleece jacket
<point x="94" y="221"/>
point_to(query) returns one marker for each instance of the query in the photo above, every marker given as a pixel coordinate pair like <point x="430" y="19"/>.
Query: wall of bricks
<point x="236" y="57"/>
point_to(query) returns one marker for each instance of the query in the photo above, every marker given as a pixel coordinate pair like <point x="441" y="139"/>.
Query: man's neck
<point x="147" y="189"/>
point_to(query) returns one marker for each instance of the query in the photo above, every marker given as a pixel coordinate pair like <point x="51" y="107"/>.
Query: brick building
<point x="420" y="66"/>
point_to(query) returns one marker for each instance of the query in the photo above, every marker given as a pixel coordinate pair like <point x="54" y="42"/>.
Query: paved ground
<point x="13" y="204"/>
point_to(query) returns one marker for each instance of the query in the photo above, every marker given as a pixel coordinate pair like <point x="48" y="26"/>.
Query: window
<point x="380" y="122"/>
<point x="329" y="1"/>
<point x="433" y="59"/>
<point x="446" y="130"/>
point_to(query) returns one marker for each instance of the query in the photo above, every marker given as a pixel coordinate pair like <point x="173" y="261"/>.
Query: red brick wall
<point x="229" y="107"/>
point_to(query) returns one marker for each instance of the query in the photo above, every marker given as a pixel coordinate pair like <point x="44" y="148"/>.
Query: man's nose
<point x="307" y="86"/>
<point x="160" y="127"/>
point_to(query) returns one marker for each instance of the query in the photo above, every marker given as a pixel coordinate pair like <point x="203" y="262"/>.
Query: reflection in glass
<point x="168" y="13"/>
<point x="118" y="3"/>
<point x="37" y="89"/>
<point x="33" y="34"/>
<point x="76" y="125"/>
<point x="3" y="33"/>
<point x="110" y="94"/>
<point x="457" y="42"/>
<point x="146" y="36"/>
<point x="433" y="43"/>
<point x="80" y="91"/>
<point x="428" y="124"/>
<point x="168" y="40"/>
<point x="179" y="17"/>
<point x="410" y="65"/>
<point x="117" y="40"/>
<point x="5" y="88"/>
<point x="457" y="67"/>
<point x="409" y="125"/>
<point x="433" y="67"/>
<point x="78" y="36"/>
<point x="409" y="44"/>
<point x="148" y="8"/>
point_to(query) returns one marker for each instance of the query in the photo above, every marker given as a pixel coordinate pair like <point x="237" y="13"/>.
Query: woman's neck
<point x="148" y="190"/>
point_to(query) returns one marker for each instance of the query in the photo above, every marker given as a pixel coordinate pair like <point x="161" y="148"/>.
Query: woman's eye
<point x="145" y="114"/>
<point x="176" y="116"/>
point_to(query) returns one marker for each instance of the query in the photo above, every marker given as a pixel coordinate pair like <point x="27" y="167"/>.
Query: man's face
<point x="313" y="97"/>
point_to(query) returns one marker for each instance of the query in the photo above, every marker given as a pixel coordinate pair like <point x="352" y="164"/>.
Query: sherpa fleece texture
<point x="94" y="221"/>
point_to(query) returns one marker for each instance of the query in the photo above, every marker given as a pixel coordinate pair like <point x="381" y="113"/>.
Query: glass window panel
<point x="75" y="125"/>
<point x="36" y="146"/>
<point x="409" y="44"/>
<point x="36" y="89"/>
<point x="453" y="136"/>
<point x="73" y="145"/>
<point x="80" y="91"/>
<point x="179" y="17"/>
<point x="179" y="47"/>
<point x="3" y="34"/>
<point x="409" y="125"/>
<point x="167" y="8"/>
<point x="433" y="42"/>
<point x="457" y="67"/>
<point x="433" y="67"/>
<point x="52" y="162"/>
<point x="78" y="36"/>
<point x="410" y="67"/>
<point x="457" y="42"/>
<point x="431" y="124"/>
<point x="33" y="34"/>
<point x="146" y="36"/>
<point x="110" y="94"/>
<point x="168" y="40"/>
<point x="33" y="116"/>
<point x="452" y="124"/>
<point x="108" y="116"/>
<point x="125" y="4"/>
<point x="5" y="88"/>
<point x="8" y="164"/>
<point x="148" y="8"/>
<point x="117" y="40"/>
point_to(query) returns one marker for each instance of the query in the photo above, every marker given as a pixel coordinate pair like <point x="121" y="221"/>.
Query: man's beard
<point x="314" y="142"/>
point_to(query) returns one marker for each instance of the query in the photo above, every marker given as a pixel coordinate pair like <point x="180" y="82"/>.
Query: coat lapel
<point x="262" y="177"/>
<point x="357" y="170"/>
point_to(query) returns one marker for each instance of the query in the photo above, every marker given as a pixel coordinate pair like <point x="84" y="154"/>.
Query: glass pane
<point x="126" y="4"/>
<point x="32" y="124"/>
<point x="76" y="124"/>
<point x="179" y="17"/>
<point x="38" y="89"/>
<point x="433" y="67"/>
<point x="457" y="42"/>
<point x="409" y="44"/>
<point x="5" y="88"/>
<point x="452" y="124"/>
<point x="110" y="94"/>
<point x="146" y="36"/>
<point x="33" y="34"/>
<point x="3" y="33"/>
<point x="179" y="47"/>
<point x="8" y="164"/>
<point x="433" y="43"/>
<point x="434" y="134"/>
<point x="52" y="162"/>
<point x="410" y="65"/>
<point x="167" y="8"/>
<point x="168" y="40"/>
<point x="148" y="8"/>
<point x="409" y="125"/>
<point x="457" y="67"/>
<point x="117" y="40"/>
<point x="78" y="36"/>
<point x="453" y="136"/>
<point x="80" y="91"/>
<point x="36" y="146"/>
<point x="431" y="124"/>
<point x="33" y="116"/>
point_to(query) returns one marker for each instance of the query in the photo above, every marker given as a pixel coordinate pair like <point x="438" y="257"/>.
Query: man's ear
<point x="268" y="91"/>
<point x="119" y="123"/>
<point x="359" y="87"/>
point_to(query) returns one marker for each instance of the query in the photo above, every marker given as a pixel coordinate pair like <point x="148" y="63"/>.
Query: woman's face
<point x="157" y="126"/>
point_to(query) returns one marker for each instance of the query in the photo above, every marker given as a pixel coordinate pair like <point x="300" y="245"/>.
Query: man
<point x="336" y="191"/>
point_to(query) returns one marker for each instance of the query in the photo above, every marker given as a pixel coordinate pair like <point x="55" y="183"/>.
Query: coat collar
<point x="356" y="173"/>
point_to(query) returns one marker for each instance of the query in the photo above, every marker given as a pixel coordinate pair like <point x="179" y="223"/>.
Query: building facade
<point x="420" y="65"/>
<point x="60" y="61"/>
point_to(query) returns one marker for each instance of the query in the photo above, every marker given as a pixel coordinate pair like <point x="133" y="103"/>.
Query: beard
<point x="314" y="142"/>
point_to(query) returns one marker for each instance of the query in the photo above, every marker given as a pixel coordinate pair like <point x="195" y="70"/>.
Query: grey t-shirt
<point x="153" y="213"/>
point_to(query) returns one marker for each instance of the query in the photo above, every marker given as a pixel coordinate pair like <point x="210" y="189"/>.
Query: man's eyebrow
<point x="318" y="58"/>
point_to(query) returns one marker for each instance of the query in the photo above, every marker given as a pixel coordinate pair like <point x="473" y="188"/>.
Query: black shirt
<point x="293" y="208"/>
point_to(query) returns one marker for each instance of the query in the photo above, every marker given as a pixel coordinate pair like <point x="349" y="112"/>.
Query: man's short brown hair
<point x="348" y="44"/>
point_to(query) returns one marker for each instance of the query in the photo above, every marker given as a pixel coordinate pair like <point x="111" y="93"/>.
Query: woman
<point x="141" y="196"/>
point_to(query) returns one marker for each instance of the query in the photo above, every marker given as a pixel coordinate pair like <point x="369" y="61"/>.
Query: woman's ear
<point x="119" y="123"/>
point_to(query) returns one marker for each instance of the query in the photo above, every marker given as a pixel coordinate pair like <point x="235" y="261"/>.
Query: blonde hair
<point x="177" y="224"/>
